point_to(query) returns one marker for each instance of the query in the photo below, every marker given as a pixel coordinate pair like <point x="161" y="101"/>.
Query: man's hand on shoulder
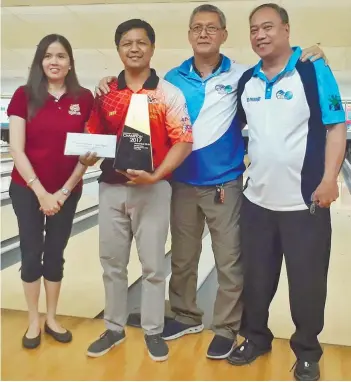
<point x="314" y="53"/>
<point x="103" y="87"/>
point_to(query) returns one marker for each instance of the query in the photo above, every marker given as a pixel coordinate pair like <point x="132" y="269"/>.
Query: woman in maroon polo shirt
<point x="46" y="185"/>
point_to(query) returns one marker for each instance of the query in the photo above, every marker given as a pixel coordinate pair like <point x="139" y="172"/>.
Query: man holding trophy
<point x="149" y="117"/>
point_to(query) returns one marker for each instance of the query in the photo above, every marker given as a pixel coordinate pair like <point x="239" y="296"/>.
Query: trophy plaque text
<point x="134" y="149"/>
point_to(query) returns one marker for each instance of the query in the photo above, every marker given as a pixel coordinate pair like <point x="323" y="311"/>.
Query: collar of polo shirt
<point x="214" y="70"/>
<point x="188" y="68"/>
<point x="151" y="83"/>
<point x="289" y="67"/>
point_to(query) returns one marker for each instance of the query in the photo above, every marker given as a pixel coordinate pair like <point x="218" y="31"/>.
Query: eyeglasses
<point x="210" y="29"/>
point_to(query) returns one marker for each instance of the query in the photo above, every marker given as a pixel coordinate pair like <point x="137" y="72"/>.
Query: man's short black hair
<point x="134" y="24"/>
<point x="280" y="10"/>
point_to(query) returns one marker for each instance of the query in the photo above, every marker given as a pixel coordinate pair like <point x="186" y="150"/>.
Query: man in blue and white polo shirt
<point x="297" y="140"/>
<point x="208" y="185"/>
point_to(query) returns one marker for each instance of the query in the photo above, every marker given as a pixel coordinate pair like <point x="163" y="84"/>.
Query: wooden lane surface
<point x="130" y="361"/>
<point x="82" y="292"/>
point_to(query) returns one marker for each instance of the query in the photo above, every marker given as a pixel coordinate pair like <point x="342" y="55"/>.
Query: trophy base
<point x="133" y="151"/>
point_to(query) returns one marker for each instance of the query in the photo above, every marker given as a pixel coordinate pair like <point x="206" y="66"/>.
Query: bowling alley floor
<point x="82" y="299"/>
<point x="130" y="361"/>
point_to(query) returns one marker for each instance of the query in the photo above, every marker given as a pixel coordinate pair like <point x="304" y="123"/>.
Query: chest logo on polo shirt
<point x="74" y="109"/>
<point x="281" y="94"/>
<point x="224" y="89"/>
<point x="152" y="99"/>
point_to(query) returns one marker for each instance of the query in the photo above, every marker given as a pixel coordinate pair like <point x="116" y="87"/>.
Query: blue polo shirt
<point x="218" y="148"/>
<point x="287" y="118"/>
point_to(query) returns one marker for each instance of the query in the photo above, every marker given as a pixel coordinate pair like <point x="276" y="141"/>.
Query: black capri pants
<point x="42" y="255"/>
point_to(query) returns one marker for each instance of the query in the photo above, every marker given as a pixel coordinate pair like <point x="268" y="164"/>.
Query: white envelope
<point x="79" y="144"/>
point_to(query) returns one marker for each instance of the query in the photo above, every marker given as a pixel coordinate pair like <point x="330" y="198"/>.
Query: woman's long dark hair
<point x="37" y="84"/>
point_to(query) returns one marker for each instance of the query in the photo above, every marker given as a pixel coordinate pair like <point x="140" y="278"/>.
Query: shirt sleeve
<point x="95" y="123"/>
<point x="90" y="104"/>
<point x="329" y="95"/>
<point x="19" y="104"/>
<point x="177" y="119"/>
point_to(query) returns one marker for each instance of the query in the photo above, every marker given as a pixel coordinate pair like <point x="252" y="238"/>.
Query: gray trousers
<point x="191" y="207"/>
<point x="143" y="212"/>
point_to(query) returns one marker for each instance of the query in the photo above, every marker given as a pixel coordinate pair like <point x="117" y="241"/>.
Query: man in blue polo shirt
<point x="208" y="185"/>
<point x="297" y="140"/>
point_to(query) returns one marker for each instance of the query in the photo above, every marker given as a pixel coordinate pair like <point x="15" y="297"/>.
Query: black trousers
<point x="305" y="241"/>
<point x="42" y="255"/>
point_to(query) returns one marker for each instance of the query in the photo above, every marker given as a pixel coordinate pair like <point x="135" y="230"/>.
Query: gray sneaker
<point x="107" y="341"/>
<point x="157" y="347"/>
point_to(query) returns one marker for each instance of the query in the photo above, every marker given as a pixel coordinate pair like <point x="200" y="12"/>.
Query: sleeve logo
<point x="335" y="103"/>
<point x="186" y="126"/>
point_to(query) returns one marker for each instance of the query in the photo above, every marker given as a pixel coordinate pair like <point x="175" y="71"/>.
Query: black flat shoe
<point x="31" y="343"/>
<point x="60" y="337"/>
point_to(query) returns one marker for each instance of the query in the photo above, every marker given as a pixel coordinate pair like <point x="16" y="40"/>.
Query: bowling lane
<point x="5" y="184"/>
<point x="5" y="160"/>
<point x="5" y="156"/>
<point x="6" y="166"/>
<point x="4" y="150"/>
<point x="6" y="180"/>
<point x="82" y="293"/>
<point x="9" y="226"/>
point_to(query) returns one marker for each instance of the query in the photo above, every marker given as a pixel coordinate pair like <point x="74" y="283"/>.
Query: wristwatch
<point x="65" y="191"/>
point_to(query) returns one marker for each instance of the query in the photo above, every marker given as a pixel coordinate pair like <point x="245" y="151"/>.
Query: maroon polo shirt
<point x="46" y="135"/>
